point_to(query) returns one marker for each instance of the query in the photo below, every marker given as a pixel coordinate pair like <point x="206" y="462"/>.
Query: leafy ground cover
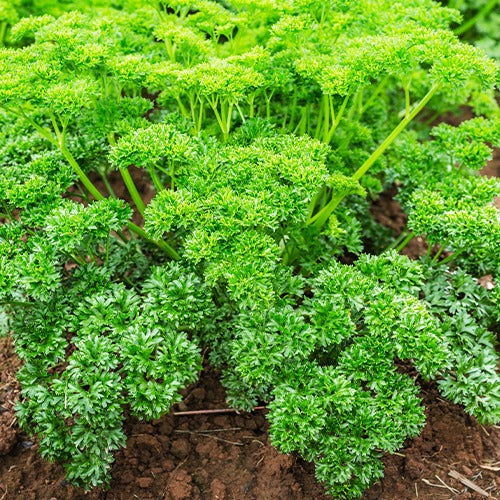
<point x="263" y="131"/>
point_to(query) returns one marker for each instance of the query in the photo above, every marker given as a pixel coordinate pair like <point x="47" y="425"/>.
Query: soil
<point x="229" y="456"/>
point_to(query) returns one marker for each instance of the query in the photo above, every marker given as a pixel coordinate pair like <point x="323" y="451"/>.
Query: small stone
<point x="145" y="482"/>
<point x="27" y="444"/>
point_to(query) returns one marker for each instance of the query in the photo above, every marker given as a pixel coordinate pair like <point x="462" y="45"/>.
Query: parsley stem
<point x="473" y="20"/>
<point x="81" y="174"/>
<point x="398" y="240"/>
<point x="322" y="216"/>
<point x="160" y="244"/>
<point x="329" y="134"/>
<point x="375" y="93"/>
<point x="440" y="251"/>
<point x="156" y="180"/>
<point x="405" y="242"/>
<point x="107" y="184"/>
<point x="392" y="136"/>
<point x="133" y="192"/>
<point x="454" y="255"/>
<point x="3" y="31"/>
<point x="129" y="183"/>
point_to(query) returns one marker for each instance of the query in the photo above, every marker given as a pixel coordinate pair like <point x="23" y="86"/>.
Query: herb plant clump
<point x="260" y="132"/>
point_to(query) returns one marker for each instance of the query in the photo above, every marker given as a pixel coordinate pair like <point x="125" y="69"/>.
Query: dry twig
<point x="201" y="433"/>
<point x="492" y="466"/>
<point x="207" y="412"/>
<point x="467" y="482"/>
<point x="453" y="490"/>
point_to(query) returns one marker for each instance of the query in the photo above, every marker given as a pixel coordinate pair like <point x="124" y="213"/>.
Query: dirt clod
<point x="145" y="482"/>
<point x="218" y="489"/>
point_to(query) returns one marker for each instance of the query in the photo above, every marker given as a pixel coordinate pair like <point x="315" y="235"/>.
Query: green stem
<point x="77" y="258"/>
<point x="228" y="120"/>
<point x="454" y="255"/>
<point x="293" y="112"/>
<point x="251" y="106"/>
<point x="81" y="174"/>
<point x="243" y="119"/>
<point x="107" y="184"/>
<point x="337" y="119"/>
<point x="136" y="197"/>
<point x="315" y="200"/>
<point x="90" y="252"/>
<point x="106" y="250"/>
<point x="200" y="117"/>
<point x="56" y="127"/>
<point x="161" y="244"/>
<point x="3" y="31"/>
<point x="98" y="196"/>
<point x="156" y="180"/>
<point x="374" y="95"/>
<point x="45" y="133"/>
<point x="429" y="250"/>
<point x="268" y="104"/>
<point x="172" y="176"/>
<point x="304" y="125"/>
<point x="192" y="106"/>
<point x="405" y="242"/>
<point x="320" y="119"/>
<point x="398" y="240"/>
<point x="213" y="104"/>
<point x="392" y="136"/>
<point x="407" y="101"/>
<point x="322" y="216"/>
<point x="473" y="20"/>
<point x="122" y="236"/>
<point x="440" y="251"/>
<point x="183" y="109"/>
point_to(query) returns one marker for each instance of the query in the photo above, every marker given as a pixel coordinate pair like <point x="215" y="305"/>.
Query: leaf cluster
<point x="251" y="138"/>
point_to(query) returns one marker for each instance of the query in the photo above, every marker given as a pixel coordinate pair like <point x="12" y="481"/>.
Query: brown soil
<point x="228" y="456"/>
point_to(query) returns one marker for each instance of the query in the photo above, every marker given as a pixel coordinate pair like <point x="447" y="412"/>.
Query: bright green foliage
<point x="251" y="138"/>
<point x="468" y="313"/>
<point x="329" y="364"/>
<point x="479" y="24"/>
<point x="447" y="201"/>
<point x="101" y="349"/>
<point x="234" y="207"/>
